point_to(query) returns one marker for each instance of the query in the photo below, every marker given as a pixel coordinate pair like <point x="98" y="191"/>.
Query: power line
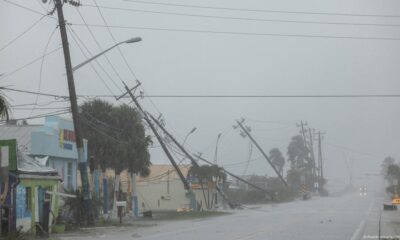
<point x="44" y="108"/>
<point x="41" y="67"/>
<point x="264" y="10"/>
<point x="39" y="104"/>
<point x="28" y="64"/>
<point x="35" y="93"/>
<point x="245" y="18"/>
<point x="242" y="33"/>
<point x="76" y="38"/>
<point x="115" y="42"/>
<point x="21" y="34"/>
<point x="282" y="96"/>
<point x="220" y="96"/>
<point x="29" y="9"/>
<point x="101" y="49"/>
<point x="56" y="113"/>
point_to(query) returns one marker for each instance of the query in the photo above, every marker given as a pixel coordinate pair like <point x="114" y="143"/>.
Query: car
<point x="363" y="191"/>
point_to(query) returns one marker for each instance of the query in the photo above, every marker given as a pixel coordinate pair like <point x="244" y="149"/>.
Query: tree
<point x="298" y="153"/>
<point x="393" y="173"/>
<point x="277" y="159"/>
<point x="116" y="137"/>
<point x="209" y="174"/>
<point x="4" y="107"/>
<point x="386" y="163"/>
<point x="301" y="164"/>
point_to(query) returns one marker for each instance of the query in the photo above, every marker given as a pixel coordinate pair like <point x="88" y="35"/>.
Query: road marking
<point x="359" y="231"/>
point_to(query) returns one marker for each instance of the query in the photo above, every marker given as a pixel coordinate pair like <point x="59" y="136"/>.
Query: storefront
<point x="28" y="202"/>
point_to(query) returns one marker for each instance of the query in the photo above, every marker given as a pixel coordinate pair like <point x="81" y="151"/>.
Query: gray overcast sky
<point x="170" y="62"/>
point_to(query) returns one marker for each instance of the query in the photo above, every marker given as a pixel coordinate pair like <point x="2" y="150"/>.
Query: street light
<point x="131" y="40"/>
<point x="187" y="135"/>
<point x="216" y="149"/>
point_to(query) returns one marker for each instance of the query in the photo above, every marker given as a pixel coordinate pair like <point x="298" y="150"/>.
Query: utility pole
<point x="320" y="160"/>
<point x="164" y="147"/>
<point x="191" y="195"/>
<point x="303" y="132"/>
<point x="314" y="169"/>
<point x="239" y="178"/>
<point x="75" y="117"/>
<point x="240" y="124"/>
<point x="216" y="149"/>
<point x="192" y="160"/>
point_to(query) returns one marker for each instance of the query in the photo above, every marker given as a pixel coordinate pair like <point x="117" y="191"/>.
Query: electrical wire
<point x="115" y="42"/>
<point x="28" y="9"/>
<point x="361" y="96"/>
<point x="21" y="34"/>
<point x="76" y="38"/>
<point x="237" y="33"/>
<point x="245" y="18"/>
<point x="29" y="63"/>
<point x="264" y="10"/>
<point x="35" y="93"/>
<point x="101" y="49"/>
<point x="41" y="68"/>
<point x="56" y="113"/>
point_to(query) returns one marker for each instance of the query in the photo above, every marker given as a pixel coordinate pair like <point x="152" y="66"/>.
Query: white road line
<point x="360" y="230"/>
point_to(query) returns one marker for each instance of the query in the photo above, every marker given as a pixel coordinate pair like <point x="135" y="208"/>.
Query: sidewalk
<point x="389" y="227"/>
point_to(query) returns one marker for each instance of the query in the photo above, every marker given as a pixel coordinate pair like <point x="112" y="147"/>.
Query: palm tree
<point x="4" y="107"/>
<point x="277" y="159"/>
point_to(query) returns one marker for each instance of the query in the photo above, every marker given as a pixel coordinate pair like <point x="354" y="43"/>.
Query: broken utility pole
<point x="239" y="178"/>
<point x="75" y="117"/>
<point x="262" y="151"/>
<point x="145" y="116"/>
<point x="192" y="160"/>
<point x="190" y="193"/>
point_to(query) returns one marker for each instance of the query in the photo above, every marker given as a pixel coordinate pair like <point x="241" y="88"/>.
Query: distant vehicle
<point x="363" y="191"/>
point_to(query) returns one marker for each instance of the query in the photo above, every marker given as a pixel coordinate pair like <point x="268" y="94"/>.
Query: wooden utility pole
<point x="314" y="169"/>
<point x="262" y="152"/>
<point x="320" y="160"/>
<point x="192" y="160"/>
<point x="75" y="116"/>
<point x="239" y="178"/>
<point x="303" y="132"/>
<point x="164" y="147"/>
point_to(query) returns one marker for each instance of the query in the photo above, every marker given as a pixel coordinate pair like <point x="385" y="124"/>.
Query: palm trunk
<point x="204" y="193"/>
<point x="116" y="193"/>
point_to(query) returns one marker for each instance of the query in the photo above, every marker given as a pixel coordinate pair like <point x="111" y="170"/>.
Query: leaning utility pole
<point x="262" y="152"/>
<point x="194" y="163"/>
<point x="312" y="153"/>
<point x="74" y="108"/>
<point x="238" y="178"/>
<point x="303" y="132"/>
<point x="320" y="160"/>
<point x="164" y="147"/>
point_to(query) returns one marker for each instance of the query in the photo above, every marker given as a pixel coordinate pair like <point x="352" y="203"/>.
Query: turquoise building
<point x="56" y="140"/>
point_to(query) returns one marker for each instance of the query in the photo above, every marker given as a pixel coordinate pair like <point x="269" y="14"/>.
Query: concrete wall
<point x="61" y="165"/>
<point x="154" y="195"/>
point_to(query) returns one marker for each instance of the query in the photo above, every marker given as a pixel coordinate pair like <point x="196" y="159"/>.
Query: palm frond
<point x="4" y="107"/>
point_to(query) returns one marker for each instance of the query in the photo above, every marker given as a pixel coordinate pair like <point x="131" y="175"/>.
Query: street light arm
<point x="94" y="57"/>
<point x="132" y="40"/>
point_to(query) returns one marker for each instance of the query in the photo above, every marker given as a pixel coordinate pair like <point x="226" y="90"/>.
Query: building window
<point x="28" y="198"/>
<point x="69" y="175"/>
